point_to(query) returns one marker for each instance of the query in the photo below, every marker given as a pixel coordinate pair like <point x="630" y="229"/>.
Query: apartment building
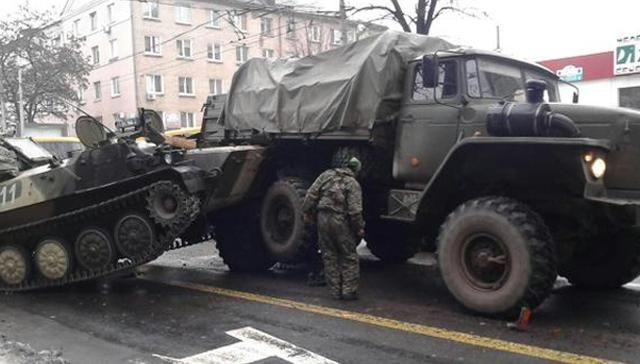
<point x="169" y="55"/>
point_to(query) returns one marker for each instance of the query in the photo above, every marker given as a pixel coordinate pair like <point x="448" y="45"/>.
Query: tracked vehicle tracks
<point x="17" y="247"/>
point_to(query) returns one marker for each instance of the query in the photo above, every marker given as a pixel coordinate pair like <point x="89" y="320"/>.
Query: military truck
<point x="468" y="151"/>
<point x="114" y="206"/>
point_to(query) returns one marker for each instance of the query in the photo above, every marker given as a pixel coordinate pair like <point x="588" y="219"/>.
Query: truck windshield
<point x="487" y="78"/>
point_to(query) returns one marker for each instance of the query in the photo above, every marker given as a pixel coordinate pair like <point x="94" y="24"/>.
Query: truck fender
<point x="510" y="166"/>
<point x="193" y="178"/>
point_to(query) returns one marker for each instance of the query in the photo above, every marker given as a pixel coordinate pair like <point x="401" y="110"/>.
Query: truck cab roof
<point x="486" y="53"/>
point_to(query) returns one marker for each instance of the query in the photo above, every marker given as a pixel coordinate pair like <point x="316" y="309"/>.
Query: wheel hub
<point x="94" y="249"/>
<point x="13" y="267"/>
<point x="485" y="261"/>
<point x="52" y="259"/>
<point x="283" y="220"/>
<point x="133" y="235"/>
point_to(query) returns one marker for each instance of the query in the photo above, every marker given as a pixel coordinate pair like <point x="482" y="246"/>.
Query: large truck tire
<point x="497" y="256"/>
<point x="390" y="241"/>
<point x="605" y="265"/>
<point x="286" y="236"/>
<point x="239" y="241"/>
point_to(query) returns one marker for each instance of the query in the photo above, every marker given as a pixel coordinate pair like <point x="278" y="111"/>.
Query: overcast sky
<point x="531" y="29"/>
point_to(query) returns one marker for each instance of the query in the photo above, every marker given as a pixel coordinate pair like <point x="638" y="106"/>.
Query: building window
<point x="241" y="54"/>
<point x="76" y="27"/>
<point x="93" y="20"/>
<point x="110" y="13"/>
<point x="186" y="120"/>
<point x="185" y="86"/>
<point x="629" y="97"/>
<point x="81" y="98"/>
<point x="155" y="85"/>
<point x="113" y="46"/>
<point x="351" y="36"/>
<point x="336" y="35"/>
<point x="268" y="53"/>
<point x="115" y="86"/>
<point x="97" y="88"/>
<point x="291" y="28"/>
<point x="95" y="54"/>
<point x="214" y="52"/>
<point x="151" y="9"/>
<point x="152" y="44"/>
<point x="240" y="21"/>
<point x="314" y="33"/>
<point x="266" y="26"/>
<point x="215" y="86"/>
<point x="183" y="14"/>
<point x="214" y="19"/>
<point x="184" y="48"/>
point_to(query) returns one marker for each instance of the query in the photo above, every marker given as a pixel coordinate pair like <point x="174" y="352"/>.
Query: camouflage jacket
<point x="336" y="190"/>
<point x="8" y="164"/>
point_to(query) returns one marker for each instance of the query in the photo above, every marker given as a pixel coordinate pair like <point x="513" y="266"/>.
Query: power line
<point x="194" y="28"/>
<point x="181" y="62"/>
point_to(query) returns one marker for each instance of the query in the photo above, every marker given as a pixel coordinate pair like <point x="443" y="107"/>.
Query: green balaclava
<point x="355" y="165"/>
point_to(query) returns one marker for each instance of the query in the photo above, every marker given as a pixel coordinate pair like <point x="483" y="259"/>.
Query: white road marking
<point x="254" y="346"/>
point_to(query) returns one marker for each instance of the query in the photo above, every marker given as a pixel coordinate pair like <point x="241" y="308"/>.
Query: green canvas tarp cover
<point x="344" y="89"/>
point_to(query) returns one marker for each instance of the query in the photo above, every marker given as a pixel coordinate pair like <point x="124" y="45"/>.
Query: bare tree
<point x="53" y="69"/>
<point x="420" y="19"/>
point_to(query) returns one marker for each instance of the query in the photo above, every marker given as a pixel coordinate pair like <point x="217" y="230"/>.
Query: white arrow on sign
<point x="254" y="346"/>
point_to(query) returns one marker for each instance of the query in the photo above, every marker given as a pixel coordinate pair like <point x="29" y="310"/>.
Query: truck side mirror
<point x="576" y="97"/>
<point x="429" y="74"/>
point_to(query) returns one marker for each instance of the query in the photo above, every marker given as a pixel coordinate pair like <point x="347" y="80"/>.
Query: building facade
<point x="169" y="55"/>
<point x="609" y="78"/>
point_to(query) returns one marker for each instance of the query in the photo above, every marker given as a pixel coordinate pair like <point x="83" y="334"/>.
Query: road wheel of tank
<point x="239" y="241"/>
<point x="94" y="249"/>
<point x="497" y="256"/>
<point x="167" y="204"/>
<point x="286" y="236"/>
<point x="53" y="258"/>
<point x="133" y="234"/>
<point x="390" y="241"/>
<point x="15" y="265"/>
<point x="609" y="265"/>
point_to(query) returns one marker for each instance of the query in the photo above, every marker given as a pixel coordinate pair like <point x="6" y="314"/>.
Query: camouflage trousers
<point x="338" y="246"/>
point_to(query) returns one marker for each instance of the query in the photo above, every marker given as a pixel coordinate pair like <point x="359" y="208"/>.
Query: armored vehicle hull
<point x="108" y="209"/>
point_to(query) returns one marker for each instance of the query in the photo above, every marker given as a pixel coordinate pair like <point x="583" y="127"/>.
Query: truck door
<point x="426" y="129"/>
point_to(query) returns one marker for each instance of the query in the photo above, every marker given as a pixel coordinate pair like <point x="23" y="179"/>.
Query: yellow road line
<point x="455" y="336"/>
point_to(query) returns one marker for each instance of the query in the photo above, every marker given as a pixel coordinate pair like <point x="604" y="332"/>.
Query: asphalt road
<point x="187" y="303"/>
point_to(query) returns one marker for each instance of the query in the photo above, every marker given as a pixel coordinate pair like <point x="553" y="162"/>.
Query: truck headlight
<point x="598" y="167"/>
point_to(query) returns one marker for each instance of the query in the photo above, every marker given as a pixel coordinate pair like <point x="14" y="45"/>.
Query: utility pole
<point x="343" y="28"/>
<point x="20" y="130"/>
<point x="498" y="38"/>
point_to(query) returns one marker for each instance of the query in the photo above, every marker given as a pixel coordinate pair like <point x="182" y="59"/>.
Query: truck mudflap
<point x="493" y="165"/>
<point x="230" y="170"/>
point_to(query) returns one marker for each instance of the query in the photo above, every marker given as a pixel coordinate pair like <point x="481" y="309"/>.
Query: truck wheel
<point x="606" y="266"/>
<point x="285" y="234"/>
<point x="391" y="242"/>
<point x="239" y="242"/>
<point x="496" y="256"/>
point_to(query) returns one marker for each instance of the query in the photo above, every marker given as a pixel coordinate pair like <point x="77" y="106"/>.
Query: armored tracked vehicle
<point x="467" y="152"/>
<point x="114" y="206"/>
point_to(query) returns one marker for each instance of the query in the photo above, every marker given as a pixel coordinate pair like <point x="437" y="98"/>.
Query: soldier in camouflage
<point x="334" y="201"/>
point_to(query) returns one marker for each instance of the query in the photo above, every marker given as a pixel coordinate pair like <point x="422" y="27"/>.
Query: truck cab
<point x="455" y="106"/>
